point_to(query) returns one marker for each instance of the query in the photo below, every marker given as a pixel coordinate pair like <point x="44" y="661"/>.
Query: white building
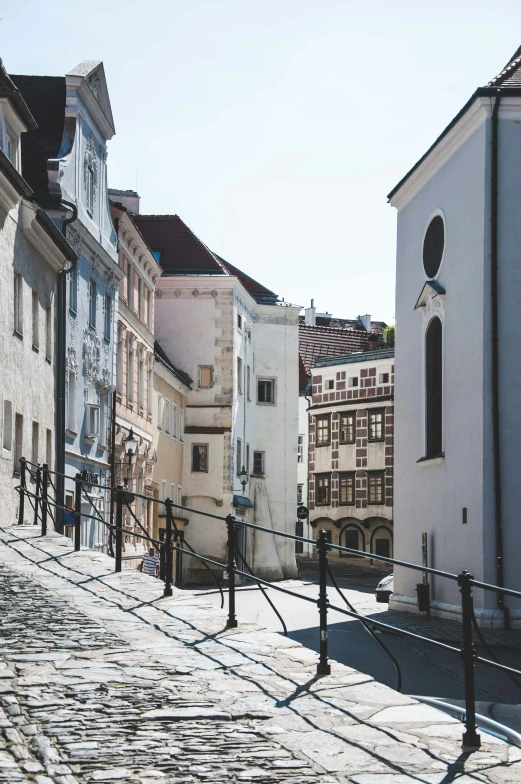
<point x="458" y="380"/>
<point x="65" y="162"/>
<point x="33" y="253"/>
<point x="240" y="345"/>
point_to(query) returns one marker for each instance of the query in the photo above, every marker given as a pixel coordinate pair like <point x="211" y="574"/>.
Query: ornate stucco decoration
<point x="95" y="83"/>
<point x="110" y="281"/>
<point x="106" y="375"/>
<point x="91" y="356"/>
<point x="90" y="164"/>
<point x="94" y="267"/>
<point x="71" y="361"/>
<point x="74" y="240"/>
<point x="121" y="331"/>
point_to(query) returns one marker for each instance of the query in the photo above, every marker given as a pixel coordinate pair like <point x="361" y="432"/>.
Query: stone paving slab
<point x="106" y="681"/>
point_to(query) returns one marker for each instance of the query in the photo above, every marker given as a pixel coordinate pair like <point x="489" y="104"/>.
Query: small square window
<point x="258" y="463"/>
<point x="353" y="381"/>
<point x="330" y="384"/>
<point x="200" y="458"/>
<point x="266" y="391"/>
<point x="205" y="376"/>
<point x="383" y="378"/>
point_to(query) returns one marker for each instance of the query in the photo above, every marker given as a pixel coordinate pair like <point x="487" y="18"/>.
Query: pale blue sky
<point x="275" y="129"/>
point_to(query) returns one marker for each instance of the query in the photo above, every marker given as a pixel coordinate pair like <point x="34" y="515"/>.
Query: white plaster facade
<point x="451" y="498"/>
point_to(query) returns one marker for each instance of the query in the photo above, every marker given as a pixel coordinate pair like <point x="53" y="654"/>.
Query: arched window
<point x="351" y="536"/>
<point x="433" y="388"/>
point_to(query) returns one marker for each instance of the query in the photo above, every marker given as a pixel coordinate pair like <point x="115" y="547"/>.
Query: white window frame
<point x="273" y="381"/>
<point x="48" y="333"/>
<point x="174" y="420"/>
<point x="181" y="424"/>
<point x="167" y="415"/>
<point x="92" y="420"/>
<point x="71" y="401"/>
<point x="239" y="375"/>
<point x="352" y="381"/>
<point x="300" y="448"/>
<point x="18" y="303"/>
<point x="35" y="306"/>
<point x="93" y="301"/>
<point x="263" y="461"/>
<point x="159" y="411"/>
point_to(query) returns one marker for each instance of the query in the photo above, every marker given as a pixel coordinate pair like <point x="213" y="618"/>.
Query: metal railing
<point x="175" y="542"/>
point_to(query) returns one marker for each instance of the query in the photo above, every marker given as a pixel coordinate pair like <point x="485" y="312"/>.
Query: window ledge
<point x="425" y="462"/>
<point x="49" y="360"/>
<point x="89" y="439"/>
<point x="18" y="334"/>
<point x="72" y="312"/>
<point x="36" y="349"/>
<point x="71" y="432"/>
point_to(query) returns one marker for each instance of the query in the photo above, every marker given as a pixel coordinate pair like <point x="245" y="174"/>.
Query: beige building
<point x="171" y="387"/>
<point x="134" y="370"/>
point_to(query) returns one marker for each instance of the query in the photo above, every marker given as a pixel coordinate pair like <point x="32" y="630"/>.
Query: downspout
<point x="309" y="401"/>
<point x="498" y="512"/>
<point x="61" y="350"/>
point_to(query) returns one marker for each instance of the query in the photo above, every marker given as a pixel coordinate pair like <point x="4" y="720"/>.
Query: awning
<point x="242" y="502"/>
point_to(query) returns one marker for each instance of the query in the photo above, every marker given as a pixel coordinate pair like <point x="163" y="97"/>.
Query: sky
<point x="275" y="128"/>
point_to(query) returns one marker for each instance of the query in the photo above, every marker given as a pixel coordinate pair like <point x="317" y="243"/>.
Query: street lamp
<point x="243" y="476"/>
<point x="131" y="444"/>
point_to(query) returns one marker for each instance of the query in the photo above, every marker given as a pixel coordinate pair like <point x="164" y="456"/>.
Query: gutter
<point x="496" y="442"/>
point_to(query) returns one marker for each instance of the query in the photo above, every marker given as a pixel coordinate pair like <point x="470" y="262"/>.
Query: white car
<point x="385" y="588"/>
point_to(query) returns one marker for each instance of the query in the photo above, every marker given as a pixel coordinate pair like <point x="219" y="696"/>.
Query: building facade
<point x="33" y="254"/>
<point x="458" y="382"/>
<point x="241" y="349"/>
<point x="65" y="161"/>
<point x="351" y="435"/>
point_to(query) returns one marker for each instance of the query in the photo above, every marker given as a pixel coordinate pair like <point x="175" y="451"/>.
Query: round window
<point x="433" y="245"/>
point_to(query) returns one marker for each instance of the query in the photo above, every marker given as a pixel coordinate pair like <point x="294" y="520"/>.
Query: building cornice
<point x="359" y="402"/>
<point x="45" y="237"/>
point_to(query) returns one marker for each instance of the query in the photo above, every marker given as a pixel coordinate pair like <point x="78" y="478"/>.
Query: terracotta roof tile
<point x="328" y="342"/>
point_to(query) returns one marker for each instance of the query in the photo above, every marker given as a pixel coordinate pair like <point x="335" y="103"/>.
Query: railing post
<point x="45" y="492"/>
<point x="230" y="524"/>
<point x="119" y="527"/>
<point x="37" y="493"/>
<point x="168" y="548"/>
<point x="471" y="739"/>
<point x="21" y="508"/>
<point x="77" y="513"/>
<point x="323" y="667"/>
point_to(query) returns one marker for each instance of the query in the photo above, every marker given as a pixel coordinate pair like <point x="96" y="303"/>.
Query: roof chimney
<point x="366" y="322"/>
<point x="311" y="315"/>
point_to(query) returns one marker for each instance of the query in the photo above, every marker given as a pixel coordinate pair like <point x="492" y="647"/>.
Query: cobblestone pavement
<point x="103" y="680"/>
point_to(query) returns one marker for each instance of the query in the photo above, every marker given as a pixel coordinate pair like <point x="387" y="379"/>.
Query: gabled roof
<point x="510" y="76"/>
<point x="46" y="97"/>
<point x="162" y="357"/>
<point x="8" y="89"/>
<point x="327" y="342"/>
<point x="377" y="327"/>
<point x="183" y="253"/>
<point x="432" y="289"/>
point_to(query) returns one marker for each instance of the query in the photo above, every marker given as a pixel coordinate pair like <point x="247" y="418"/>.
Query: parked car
<point x="385" y="588"/>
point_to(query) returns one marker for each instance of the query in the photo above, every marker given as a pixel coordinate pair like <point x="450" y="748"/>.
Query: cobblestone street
<point x="103" y="680"/>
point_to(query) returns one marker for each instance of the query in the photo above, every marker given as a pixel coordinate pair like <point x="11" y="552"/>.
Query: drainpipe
<point x="309" y="401"/>
<point x="61" y="350"/>
<point x="498" y="512"/>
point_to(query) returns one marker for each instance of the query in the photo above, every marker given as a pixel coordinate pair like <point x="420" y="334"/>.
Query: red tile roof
<point x="329" y="321"/>
<point x="328" y="342"/>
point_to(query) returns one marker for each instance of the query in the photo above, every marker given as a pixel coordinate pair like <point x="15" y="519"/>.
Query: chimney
<point x="311" y="315"/>
<point x="366" y="321"/>
<point x="129" y="199"/>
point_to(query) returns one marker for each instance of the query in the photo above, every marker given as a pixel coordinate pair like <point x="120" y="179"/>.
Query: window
<point x="130" y="371"/>
<point x="18" y="304"/>
<point x="141" y="379"/>
<point x="330" y="384"/>
<point x="200" y="458"/>
<point x="239" y="375"/>
<point x="351" y="539"/>
<point x="323" y="487"/>
<point x="300" y="449"/>
<point x="73" y="290"/>
<point x="36" y="330"/>
<point x="239" y="456"/>
<point x="159" y="412"/>
<point x="92" y="420"/>
<point x="376" y="425"/>
<point x="163" y="490"/>
<point x="180" y="495"/>
<point x="71" y="401"/>
<point x="346" y="484"/>
<point x="35" y="442"/>
<point x="172" y="492"/>
<point x="10" y="147"/>
<point x="375" y="486"/>
<point x="433" y="246"/>
<point x="7" y="427"/>
<point x="181" y="424"/>
<point x="108" y="317"/>
<point x="167" y="415"/>
<point x="323" y="429"/>
<point x="103" y="429"/>
<point x="258" y="463"/>
<point x="434" y="389"/>
<point x="205" y="376"/>
<point x="247" y="458"/>
<point x="140" y="298"/>
<point x="248" y="382"/>
<point x="48" y="447"/>
<point x="18" y="441"/>
<point x="174" y="420"/>
<point x="383" y="378"/>
<point x="148" y="319"/>
<point x="89" y="187"/>
<point x="239" y="322"/>
<point x="352" y="381"/>
<point x="130" y="285"/>
<point x="157" y="254"/>
<point x="347" y="428"/>
<point x="93" y="295"/>
<point x="266" y="391"/>
<point x="300" y="495"/>
<point x="48" y="333"/>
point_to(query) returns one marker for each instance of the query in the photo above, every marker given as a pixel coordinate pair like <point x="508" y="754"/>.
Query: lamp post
<point x="131" y="444"/>
<point x="243" y="476"/>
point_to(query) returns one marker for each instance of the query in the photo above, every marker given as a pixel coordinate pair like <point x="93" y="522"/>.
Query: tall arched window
<point x="434" y="388"/>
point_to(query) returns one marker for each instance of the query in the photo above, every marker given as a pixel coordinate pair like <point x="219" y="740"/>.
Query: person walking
<point x="150" y="563"/>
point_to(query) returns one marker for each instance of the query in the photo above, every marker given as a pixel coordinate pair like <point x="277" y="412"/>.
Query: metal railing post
<point x="168" y="548"/>
<point x="45" y="492"/>
<point x="230" y="524"/>
<point x="119" y="527"/>
<point x="471" y="739"/>
<point x="77" y="513"/>
<point x="323" y="667"/>
<point x="37" y="493"/>
<point x="21" y="508"/>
